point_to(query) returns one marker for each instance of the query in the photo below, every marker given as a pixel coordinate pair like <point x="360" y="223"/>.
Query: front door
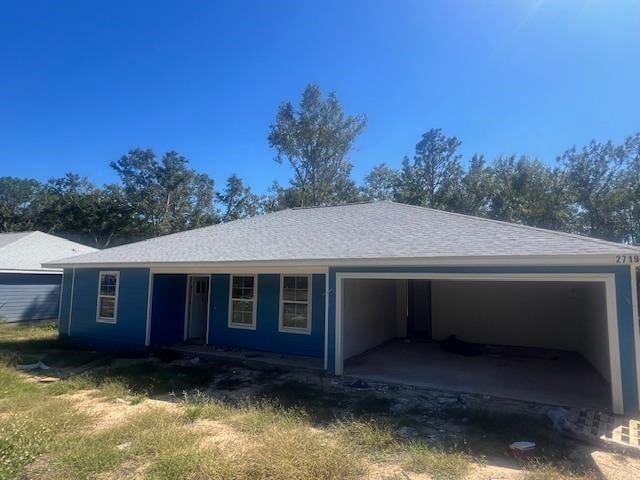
<point x="198" y="306"/>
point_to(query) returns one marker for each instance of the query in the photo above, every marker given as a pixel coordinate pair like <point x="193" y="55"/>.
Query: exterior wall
<point x="266" y="336"/>
<point x="370" y="306"/>
<point x="624" y="307"/>
<point x="29" y="296"/>
<point x="168" y="308"/>
<point x="129" y="331"/>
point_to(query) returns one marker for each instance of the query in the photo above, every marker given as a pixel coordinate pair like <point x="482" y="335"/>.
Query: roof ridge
<point x="516" y="225"/>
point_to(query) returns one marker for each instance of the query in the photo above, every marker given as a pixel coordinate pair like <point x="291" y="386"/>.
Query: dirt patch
<point x="612" y="465"/>
<point x="109" y="413"/>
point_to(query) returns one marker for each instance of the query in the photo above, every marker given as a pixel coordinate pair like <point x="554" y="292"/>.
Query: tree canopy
<point x="315" y="140"/>
<point x="591" y="190"/>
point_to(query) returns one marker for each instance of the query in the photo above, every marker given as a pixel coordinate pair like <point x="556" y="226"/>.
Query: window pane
<point x="301" y="282"/>
<point x="242" y="287"/>
<point x="301" y="295"/>
<point x="294" y="315"/>
<point x="108" y="285"/>
<point x="242" y="312"/>
<point x="289" y="294"/>
<point x="295" y="289"/>
<point x="107" y="307"/>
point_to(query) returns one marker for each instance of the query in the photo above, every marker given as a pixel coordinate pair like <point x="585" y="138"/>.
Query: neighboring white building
<point x="28" y="291"/>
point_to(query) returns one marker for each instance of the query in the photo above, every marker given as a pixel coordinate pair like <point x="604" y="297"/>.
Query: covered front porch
<point x="279" y="316"/>
<point x="240" y="355"/>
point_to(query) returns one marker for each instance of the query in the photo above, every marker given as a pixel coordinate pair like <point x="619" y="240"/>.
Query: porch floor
<point x="559" y="378"/>
<point x="289" y="361"/>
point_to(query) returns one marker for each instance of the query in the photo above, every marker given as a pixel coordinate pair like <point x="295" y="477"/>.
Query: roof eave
<point x="506" y="260"/>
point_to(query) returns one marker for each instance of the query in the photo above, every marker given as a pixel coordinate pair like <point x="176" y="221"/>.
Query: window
<point x="108" y="297"/>
<point x="295" y="312"/>
<point x="242" y="308"/>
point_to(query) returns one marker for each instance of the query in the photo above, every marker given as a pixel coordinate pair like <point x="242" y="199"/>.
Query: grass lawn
<point x="136" y="418"/>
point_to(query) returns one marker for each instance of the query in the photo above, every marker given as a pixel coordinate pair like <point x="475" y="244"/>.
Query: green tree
<point x="477" y="186"/>
<point x="628" y="190"/>
<point x="381" y="183"/>
<point x="74" y="208"/>
<point x="595" y="177"/>
<point x="433" y="178"/>
<point x="237" y="200"/>
<point x="315" y="140"/>
<point x="527" y="191"/>
<point x="18" y="203"/>
<point x="166" y="196"/>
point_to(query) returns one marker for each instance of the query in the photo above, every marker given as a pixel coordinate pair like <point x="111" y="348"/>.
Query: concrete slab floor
<point x="560" y="378"/>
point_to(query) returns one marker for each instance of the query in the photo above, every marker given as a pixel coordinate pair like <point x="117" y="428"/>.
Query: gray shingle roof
<point x="7" y="238"/>
<point x="29" y="250"/>
<point x="356" y="231"/>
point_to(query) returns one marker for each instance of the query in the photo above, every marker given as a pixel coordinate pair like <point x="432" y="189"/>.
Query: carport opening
<point x="541" y="341"/>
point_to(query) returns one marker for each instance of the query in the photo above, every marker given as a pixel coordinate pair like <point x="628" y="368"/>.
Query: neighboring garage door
<point x="538" y="318"/>
<point x="28" y="297"/>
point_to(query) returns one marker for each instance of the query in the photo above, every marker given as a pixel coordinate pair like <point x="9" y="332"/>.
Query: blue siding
<point x="65" y="303"/>
<point x="168" y="308"/>
<point x="623" y="297"/>
<point x="129" y="332"/>
<point x="266" y="336"/>
<point x="29" y="296"/>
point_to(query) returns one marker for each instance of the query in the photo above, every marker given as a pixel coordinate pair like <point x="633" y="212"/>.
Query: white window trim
<point x="230" y="323"/>
<point x="281" y="327"/>
<point x="100" y="319"/>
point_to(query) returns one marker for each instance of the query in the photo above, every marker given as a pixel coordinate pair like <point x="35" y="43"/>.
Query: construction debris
<point x="522" y="450"/>
<point x="604" y="430"/>
<point x="34" y="366"/>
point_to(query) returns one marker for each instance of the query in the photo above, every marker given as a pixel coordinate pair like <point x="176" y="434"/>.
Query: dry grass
<point x="106" y="427"/>
<point x="438" y="463"/>
<point x="557" y="472"/>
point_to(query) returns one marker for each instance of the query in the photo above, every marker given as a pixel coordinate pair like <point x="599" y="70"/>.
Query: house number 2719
<point x="627" y="259"/>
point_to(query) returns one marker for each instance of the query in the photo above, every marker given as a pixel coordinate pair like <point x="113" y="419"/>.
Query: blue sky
<point x="84" y="82"/>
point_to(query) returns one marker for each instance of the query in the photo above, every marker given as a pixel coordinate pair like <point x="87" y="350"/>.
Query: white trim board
<point x="73" y="281"/>
<point x="147" y="340"/>
<point x="52" y="271"/>
<point x="60" y="301"/>
<point x="610" y="298"/>
<point x="206" y="338"/>
<point x="636" y="326"/>
<point x="275" y="266"/>
<point x="326" y="319"/>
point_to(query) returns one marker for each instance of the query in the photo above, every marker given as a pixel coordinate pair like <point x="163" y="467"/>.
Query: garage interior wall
<point x="374" y="312"/>
<point x="553" y="315"/>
